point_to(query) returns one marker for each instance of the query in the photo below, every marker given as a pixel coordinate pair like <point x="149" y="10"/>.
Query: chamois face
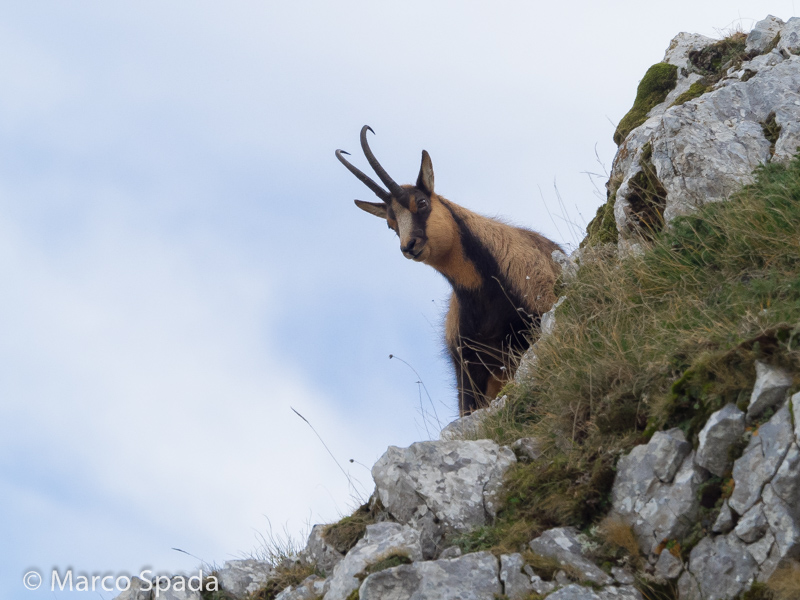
<point x="419" y="218"/>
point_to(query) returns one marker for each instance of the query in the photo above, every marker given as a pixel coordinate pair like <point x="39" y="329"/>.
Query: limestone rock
<point x="790" y="37"/>
<point x="527" y="449"/>
<point x="451" y="552"/>
<point x="623" y="576"/>
<point x="138" y="590"/>
<point x="704" y="149"/>
<point x="563" y="544"/>
<point x="469" y="426"/>
<point x="657" y="510"/>
<point x="242" y="577"/>
<point x="626" y="592"/>
<point x="568" y="264"/>
<point x="784" y="521"/>
<point x="761" y="549"/>
<point x="574" y="592"/>
<point x="381" y="541"/>
<point x="441" y="487"/>
<point x="470" y="577"/>
<point x="688" y="589"/>
<point x="668" y="565"/>
<point x="548" y="323"/>
<point x="179" y="589"/>
<point x="539" y="585"/>
<point x="516" y="583"/>
<point x="724" y="522"/>
<point x="761" y="459"/>
<point x="722" y="430"/>
<point x="786" y="483"/>
<point x="769" y="390"/>
<point x="752" y="526"/>
<point x="311" y="588"/>
<point x="669" y="449"/>
<point x="722" y="567"/>
<point x="319" y="552"/>
<point x="763" y="34"/>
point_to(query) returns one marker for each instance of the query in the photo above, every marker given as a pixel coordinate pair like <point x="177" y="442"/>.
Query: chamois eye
<point x="422" y="203"/>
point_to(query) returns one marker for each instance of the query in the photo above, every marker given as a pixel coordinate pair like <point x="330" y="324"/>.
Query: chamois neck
<point x="453" y="262"/>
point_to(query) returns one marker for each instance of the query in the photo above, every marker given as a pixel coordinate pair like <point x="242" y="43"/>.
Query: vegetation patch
<point x="784" y="583"/>
<point x="654" y="341"/>
<point x="648" y="198"/>
<point x="603" y="228"/>
<point x="772" y="131"/>
<point x="346" y="533"/>
<point x="659" y="81"/>
<point x="290" y="572"/>
<point x="697" y="89"/>
<point x="395" y="560"/>
<point x="714" y="60"/>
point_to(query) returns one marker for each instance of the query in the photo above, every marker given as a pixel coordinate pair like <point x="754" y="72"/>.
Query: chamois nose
<point x="411" y="246"/>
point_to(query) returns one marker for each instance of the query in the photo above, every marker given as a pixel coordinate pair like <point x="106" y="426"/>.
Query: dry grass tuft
<point x="616" y="532"/>
<point x="785" y="582"/>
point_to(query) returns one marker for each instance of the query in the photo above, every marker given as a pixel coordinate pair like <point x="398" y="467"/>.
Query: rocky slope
<point x="703" y="121"/>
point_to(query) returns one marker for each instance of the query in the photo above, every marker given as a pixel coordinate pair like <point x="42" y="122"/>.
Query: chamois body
<point x="502" y="276"/>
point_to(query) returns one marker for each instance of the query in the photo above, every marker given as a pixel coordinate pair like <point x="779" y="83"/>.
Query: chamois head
<point x="425" y="227"/>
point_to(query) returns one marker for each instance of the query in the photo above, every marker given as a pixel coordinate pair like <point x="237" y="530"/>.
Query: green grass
<point x="648" y="343"/>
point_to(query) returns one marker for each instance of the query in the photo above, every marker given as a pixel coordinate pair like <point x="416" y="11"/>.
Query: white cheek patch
<point x="405" y="221"/>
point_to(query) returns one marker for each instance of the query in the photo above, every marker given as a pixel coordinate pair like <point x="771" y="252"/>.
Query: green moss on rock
<point x="697" y="89"/>
<point x="659" y="81"/>
<point x="603" y="228"/>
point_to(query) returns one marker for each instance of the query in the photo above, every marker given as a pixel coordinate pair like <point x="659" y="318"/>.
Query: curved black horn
<point x="379" y="191"/>
<point x="395" y="189"/>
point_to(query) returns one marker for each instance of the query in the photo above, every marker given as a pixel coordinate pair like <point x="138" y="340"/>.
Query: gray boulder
<point x="319" y="552"/>
<point x="242" y="577"/>
<point x="563" y="544"/>
<point x="784" y="521"/>
<point x="469" y="577"/>
<point x="762" y="457"/>
<point x="763" y="34"/>
<point x="527" y="449"/>
<point x="724" y="522"/>
<point x="516" y="583"/>
<point x="381" y="541"/>
<point x="790" y="37"/>
<point x="668" y="566"/>
<point x="704" y="149"/>
<point x="442" y="487"/>
<point x="769" y="390"/>
<point x="655" y="509"/>
<point x="575" y="592"/>
<point x="722" y="567"/>
<point x="311" y="588"/>
<point x="723" y="429"/>
<point x="753" y="525"/>
<point x="180" y="588"/>
<point x="138" y="590"/>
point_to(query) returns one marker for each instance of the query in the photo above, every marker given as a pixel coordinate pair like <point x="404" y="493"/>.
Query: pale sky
<point x="182" y="262"/>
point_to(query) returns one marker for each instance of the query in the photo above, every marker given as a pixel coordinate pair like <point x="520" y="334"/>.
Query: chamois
<point x="502" y="276"/>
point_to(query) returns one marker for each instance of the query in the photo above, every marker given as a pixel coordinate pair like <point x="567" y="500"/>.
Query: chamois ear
<point x="425" y="178"/>
<point x="374" y="208"/>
